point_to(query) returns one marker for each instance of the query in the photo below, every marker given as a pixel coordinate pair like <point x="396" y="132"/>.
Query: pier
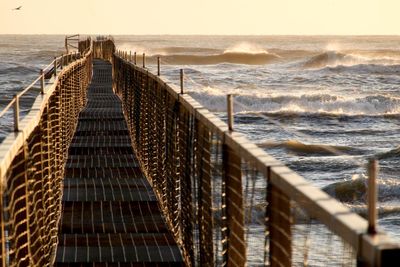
<point x="109" y="210"/>
<point x="113" y="166"/>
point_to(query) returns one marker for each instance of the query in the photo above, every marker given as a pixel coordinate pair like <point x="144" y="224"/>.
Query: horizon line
<point x="202" y="34"/>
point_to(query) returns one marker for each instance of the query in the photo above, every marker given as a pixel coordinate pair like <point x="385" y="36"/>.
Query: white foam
<point x="259" y="101"/>
<point x="247" y="48"/>
<point x="334" y="58"/>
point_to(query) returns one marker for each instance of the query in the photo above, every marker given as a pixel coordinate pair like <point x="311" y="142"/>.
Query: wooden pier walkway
<point x="110" y="214"/>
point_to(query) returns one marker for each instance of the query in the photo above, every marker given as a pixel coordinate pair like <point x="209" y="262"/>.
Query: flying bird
<point x="18" y="8"/>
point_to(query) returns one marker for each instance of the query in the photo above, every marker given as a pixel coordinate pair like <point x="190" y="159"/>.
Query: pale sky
<point x="360" y="17"/>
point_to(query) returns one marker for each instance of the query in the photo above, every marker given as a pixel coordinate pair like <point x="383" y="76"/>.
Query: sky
<point x="233" y="17"/>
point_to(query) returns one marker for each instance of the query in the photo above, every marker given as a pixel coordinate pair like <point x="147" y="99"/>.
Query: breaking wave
<point x="324" y="104"/>
<point x="354" y="191"/>
<point x="335" y="58"/>
<point x="184" y="50"/>
<point x="315" y="149"/>
<point x="226" y="57"/>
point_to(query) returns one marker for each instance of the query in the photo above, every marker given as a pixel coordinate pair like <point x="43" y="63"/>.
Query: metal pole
<point x="42" y="82"/>
<point x="144" y="60"/>
<point x="55" y="66"/>
<point x="158" y="66"/>
<point x="66" y="44"/>
<point x="130" y="55"/>
<point x="16" y="113"/>
<point x="372" y="195"/>
<point x="182" y="73"/>
<point x="230" y="111"/>
<point x="134" y="58"/>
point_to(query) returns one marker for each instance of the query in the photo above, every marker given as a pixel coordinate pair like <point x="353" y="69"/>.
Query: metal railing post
<point x="134" y="58"/>
<point x="229" y="101"/>
<point x="130" y="56"/>
<point x="42" y="82"/>
<point x="66" y="43"/>
<point x="55" y="66"/>
<point x="16" y="113"/>
<point x="181" y="78"/>
<point x="158" y="66"/>
<point x="62" y="61"/>
<point x="372" y="195"/>
<point x="144" y="60"/>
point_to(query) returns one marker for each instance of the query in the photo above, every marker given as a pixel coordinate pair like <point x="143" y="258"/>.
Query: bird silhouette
<point x="18" y="8"/>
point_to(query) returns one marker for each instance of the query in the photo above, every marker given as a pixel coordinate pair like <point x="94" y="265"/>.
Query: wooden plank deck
<point x="110" y="213"/>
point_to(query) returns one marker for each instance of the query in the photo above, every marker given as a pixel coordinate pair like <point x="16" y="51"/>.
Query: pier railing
<point x="226" y="200"/>
<point x="32" y="160"/>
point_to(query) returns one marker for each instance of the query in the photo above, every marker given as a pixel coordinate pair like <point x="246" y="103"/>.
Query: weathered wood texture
<point x="110" y="214"/>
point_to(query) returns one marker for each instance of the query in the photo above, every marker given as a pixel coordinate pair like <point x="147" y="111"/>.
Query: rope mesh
<point x="222" y="207"/>
<point x="32" y="187"/>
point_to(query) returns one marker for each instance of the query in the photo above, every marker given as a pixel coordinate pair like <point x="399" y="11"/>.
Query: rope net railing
<point x="32" y="163"/>
<point x="227" y="202"/>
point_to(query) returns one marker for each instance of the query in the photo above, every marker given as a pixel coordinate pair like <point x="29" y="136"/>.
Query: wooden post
<point x="55" y="67"/>
<point x="182" y="73"/>
<point x="42" y="82"/>
<point x="134" y="58"/>
<point x="234" y="246"/>
<point x="144" y="60"/>
<point x="279" y="227"/>
<point x="230" y="111"/>
<point x="158" y="66"/>
<point x="372" y="195"/>
<point x="130" y="56"/>
<point x="16" y="113"/>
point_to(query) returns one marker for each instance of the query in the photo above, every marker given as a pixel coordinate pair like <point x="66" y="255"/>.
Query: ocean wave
<point x="366" y="69"/>
<point x="388" y="154"/>
<point x="307" y="104"/>
<point x="383" y="210"/>
<point x="309" y="149"/>
<point x="184" y="50"/>
<point x="47" y="55"/>
<point x="336" y="58"/>
<point x="227" y="57"/>
<point x="18" y="69"/>
<point x="354" y="191"/>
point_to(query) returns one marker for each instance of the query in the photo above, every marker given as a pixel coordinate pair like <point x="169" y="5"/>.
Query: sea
<point x="323" y="105"/>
